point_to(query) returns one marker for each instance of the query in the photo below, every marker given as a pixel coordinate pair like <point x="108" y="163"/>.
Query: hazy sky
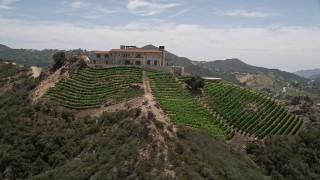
<point x="281" y="34"/>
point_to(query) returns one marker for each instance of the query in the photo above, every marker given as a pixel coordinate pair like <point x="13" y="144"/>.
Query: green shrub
<point x="195" y="82"/>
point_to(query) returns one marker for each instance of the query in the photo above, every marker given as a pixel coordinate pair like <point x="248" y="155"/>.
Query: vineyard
<point x="93" y="87"/>
<point x="223" y="109"/>
<point x="249" y="112"/>
<point x="182" y="107"/>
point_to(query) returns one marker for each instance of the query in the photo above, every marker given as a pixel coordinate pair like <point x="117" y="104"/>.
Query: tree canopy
<point x="195" y="82"/>
<point x="59" y="58"/>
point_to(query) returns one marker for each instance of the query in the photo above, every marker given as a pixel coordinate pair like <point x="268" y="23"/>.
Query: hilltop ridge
<point x="310" y="74"/>
<point x="135" y="123"/>
<point x="235" y="65"/>
<point x="249" y="76"/>
<point x="4" y="47"/>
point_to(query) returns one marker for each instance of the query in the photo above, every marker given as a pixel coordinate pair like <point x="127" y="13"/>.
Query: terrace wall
<point x="157" y="68"/>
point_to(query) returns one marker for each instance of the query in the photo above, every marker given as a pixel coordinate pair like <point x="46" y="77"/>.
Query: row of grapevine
<point x="249" y="112"/>
<point x="183" y="108"/>
<point x="93" y="87"/>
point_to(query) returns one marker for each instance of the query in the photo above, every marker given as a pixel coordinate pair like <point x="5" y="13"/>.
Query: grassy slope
<point x="42" y="141"/>
<point x="193" y="154"/>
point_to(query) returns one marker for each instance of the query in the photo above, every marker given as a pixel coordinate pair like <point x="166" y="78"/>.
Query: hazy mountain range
<point x="225" y="69"/>
<point x="310" y="74"/>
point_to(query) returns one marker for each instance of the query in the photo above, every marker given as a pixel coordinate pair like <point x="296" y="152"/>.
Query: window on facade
<point x="106" y="55"/>
<point x="98" y="56"/>
<point x="148" y="62"/>
<point x="155" y="62"/>
<point x="148" y="57"/>
<point x="138" y="63"/>
<point x="138" y="56"/>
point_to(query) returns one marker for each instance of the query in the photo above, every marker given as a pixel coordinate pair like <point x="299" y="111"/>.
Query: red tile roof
<point x="135" y="50"/>
<point x="101" y="52"/>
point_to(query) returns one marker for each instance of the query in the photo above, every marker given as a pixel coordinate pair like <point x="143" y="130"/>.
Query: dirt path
<point x="97" y="112"/>
<point x="45" y="85"/>
<point x="150" y="105"/>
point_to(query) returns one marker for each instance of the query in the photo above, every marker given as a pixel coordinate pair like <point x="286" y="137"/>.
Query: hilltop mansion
<point x="130" y="55"/>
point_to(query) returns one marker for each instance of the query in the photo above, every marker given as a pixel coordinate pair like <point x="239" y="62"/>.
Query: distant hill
<point x="43" y="58"/>
<point x="269" y="81"/>
<point x="187" y="63"/>
<point x="3" y="47"/>
<point x="308" y="73"/>
<point x="234" y="65"/>
<point x="178" y="61"/>
<point x="27" y="56"/>
<point x="40" y="58"/>
<point x="225" y="69"/>
<point x="316" y="76"/>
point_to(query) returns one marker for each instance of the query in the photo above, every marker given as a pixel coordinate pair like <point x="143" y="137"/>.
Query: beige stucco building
<point x="130" y="55"/>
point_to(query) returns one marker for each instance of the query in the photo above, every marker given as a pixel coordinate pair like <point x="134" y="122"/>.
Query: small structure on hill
<point x="168" y="62"/>
<point x="81" y="56"/>
<point x="212" y="78"/>
<point x="178" y="70"/>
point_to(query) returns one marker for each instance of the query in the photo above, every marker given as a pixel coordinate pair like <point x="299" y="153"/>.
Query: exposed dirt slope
<point x="45" y="85"/>
<point x="69" y="67"/>
<point x="35" y="71"/>
<point x="153" y="111"/>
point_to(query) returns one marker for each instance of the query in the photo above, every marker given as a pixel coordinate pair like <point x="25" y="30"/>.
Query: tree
<point x="59" y="58"/>
<point x="195" y="82"/>
<point x="82" y="64"/>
